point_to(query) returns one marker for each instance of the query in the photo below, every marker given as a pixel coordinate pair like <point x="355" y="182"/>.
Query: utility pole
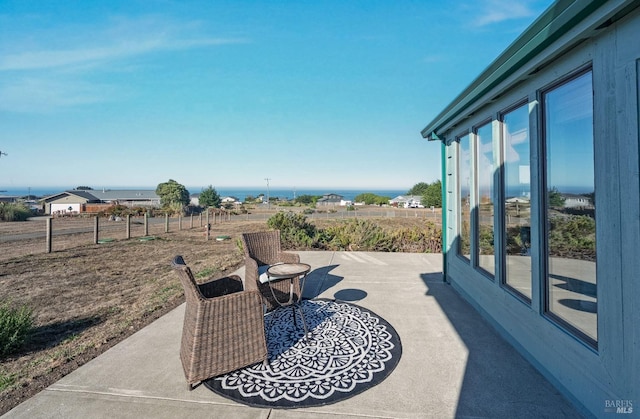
<point x="268" y="201"/>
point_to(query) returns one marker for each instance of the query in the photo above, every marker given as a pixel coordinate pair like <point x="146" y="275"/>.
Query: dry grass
<point x="89" y="297"/>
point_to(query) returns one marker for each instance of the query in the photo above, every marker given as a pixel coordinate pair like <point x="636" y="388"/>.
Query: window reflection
<point x="570" y="205"/>
<point x="464" y="192"/>
<point x="517" y="200"/>
<point x="486" y="171"/>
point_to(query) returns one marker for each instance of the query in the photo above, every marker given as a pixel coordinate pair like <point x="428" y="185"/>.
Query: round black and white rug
<point x="348" y="350"/>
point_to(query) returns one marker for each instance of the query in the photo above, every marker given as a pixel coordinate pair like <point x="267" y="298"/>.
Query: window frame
<point x="545" y="282"/>
<point x="459" y="218"/>
<point x="522" y="102"/>
<point x="475" y="210"/>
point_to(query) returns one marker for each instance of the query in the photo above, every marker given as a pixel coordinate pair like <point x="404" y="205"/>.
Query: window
<point x="517" y="194"/>
<point x="464" y="194"/>
<point x="485" y="175"/>
<point x="570" y="287"/>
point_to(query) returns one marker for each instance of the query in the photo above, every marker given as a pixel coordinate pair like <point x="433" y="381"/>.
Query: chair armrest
<point x="251" y="274"/>
<point x="288" y="257"/>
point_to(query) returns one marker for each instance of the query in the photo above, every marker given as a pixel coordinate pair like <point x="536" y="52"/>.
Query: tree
<point x="172" y="192"/>
<point x="432" y="196"/>
<point x="209" y="197"/>
<point x="369" y="198"/>
<point x="84" y="188"/>
<point x="418" y="189"/>
<point x="306" y="199"/>
<point x="555" y="198"/>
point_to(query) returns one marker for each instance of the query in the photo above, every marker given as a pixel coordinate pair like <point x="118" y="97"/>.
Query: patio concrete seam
<point x="135" y="396"/>
<point x="338" y="414"/>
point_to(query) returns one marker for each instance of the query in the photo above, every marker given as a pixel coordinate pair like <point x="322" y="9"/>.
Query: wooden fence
<point x="127" y="227"/>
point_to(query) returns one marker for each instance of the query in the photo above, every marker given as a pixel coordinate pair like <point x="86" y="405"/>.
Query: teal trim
<point x="556" y="21"/>
<point x="443" y="169"/>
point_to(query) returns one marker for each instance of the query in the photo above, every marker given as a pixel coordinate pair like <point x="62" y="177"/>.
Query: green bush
<point x="355" y="234"/>
<point x="16" y="325"/>
<point x="295" y="231"/>
<point x="573" y="237"/>
<point x="418" y="240"/>
<point x="10" y="211"/>
<point x="485" y="240"/>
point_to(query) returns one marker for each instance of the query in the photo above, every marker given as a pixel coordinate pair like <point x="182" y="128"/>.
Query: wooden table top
<point x="288" y="270"/>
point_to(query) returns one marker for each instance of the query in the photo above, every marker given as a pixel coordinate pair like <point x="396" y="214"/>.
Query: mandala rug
<point x="348" y="350"/>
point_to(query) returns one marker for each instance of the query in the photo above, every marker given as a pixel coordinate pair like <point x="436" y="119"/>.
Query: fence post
<point x="191" y="221"/>
<point x="96" y="229"/>
<point x="49" y="234"/>
<point x="146" y="224"/>
<point x="200" y="219"/>
<point x="208" y="224"/>
<point x="128" y="226"/>
<point x="166" y="223"/>
<point x="179" y="221"/>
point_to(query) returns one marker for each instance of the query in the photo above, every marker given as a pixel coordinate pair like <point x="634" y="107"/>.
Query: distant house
<point x="407" y="201"/>
<point x="80" y="201"/>
<point x="8" y="198"/>
<point x="330" y="199"/>
<point x="68" y="202"/>
<point x="576" y="201"/>
<point x="129" y="198"/>
<point x="229" y="200"/>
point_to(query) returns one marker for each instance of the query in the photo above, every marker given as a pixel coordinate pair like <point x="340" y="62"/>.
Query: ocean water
<point x="238" y="192"/>
<point x="347" y="194"/>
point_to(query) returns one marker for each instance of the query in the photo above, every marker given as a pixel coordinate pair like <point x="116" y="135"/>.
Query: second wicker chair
<point x="262" y="249"/>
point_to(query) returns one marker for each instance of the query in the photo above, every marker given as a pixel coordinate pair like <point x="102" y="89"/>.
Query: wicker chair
<point x="262" y="249"/>
<point x="223" y="326"/>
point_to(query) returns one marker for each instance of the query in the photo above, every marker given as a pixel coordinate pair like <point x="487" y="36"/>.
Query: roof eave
<point x="556" y="21"/>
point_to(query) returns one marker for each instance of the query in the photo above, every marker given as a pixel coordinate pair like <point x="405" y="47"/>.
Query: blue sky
<point x="228" y="93"/>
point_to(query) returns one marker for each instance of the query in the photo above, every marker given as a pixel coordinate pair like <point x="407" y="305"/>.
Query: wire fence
<point x="46" y="234"/>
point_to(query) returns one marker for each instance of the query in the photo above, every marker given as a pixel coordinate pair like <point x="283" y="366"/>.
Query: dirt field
<point x="88" y="297"/>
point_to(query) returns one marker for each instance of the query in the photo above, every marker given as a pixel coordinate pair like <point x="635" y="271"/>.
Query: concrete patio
<point x="453" y="363"/>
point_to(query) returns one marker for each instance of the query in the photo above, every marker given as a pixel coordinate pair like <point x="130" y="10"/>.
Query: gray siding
<point x="587" y="375"/>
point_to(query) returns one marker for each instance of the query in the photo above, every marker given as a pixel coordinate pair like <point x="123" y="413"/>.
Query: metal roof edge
<point x="556" y="21"/>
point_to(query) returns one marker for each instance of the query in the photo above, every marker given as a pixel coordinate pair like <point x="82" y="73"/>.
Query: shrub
<point x="573" y="237"/>
<point x="355" y="234"/>
<point x="16" y="325"/>
<point x="295" y="231"/>
<point x="418" y="240"/>
<point x="10" y="211"/>
<point x="359" y="234"/>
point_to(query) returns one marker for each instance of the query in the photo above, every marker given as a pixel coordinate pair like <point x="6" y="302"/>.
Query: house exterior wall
<point x="69" y="208"/>
<point x="63" y="203"/>
<point x="330" y="199"/>
<point x="597" y="377"/>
